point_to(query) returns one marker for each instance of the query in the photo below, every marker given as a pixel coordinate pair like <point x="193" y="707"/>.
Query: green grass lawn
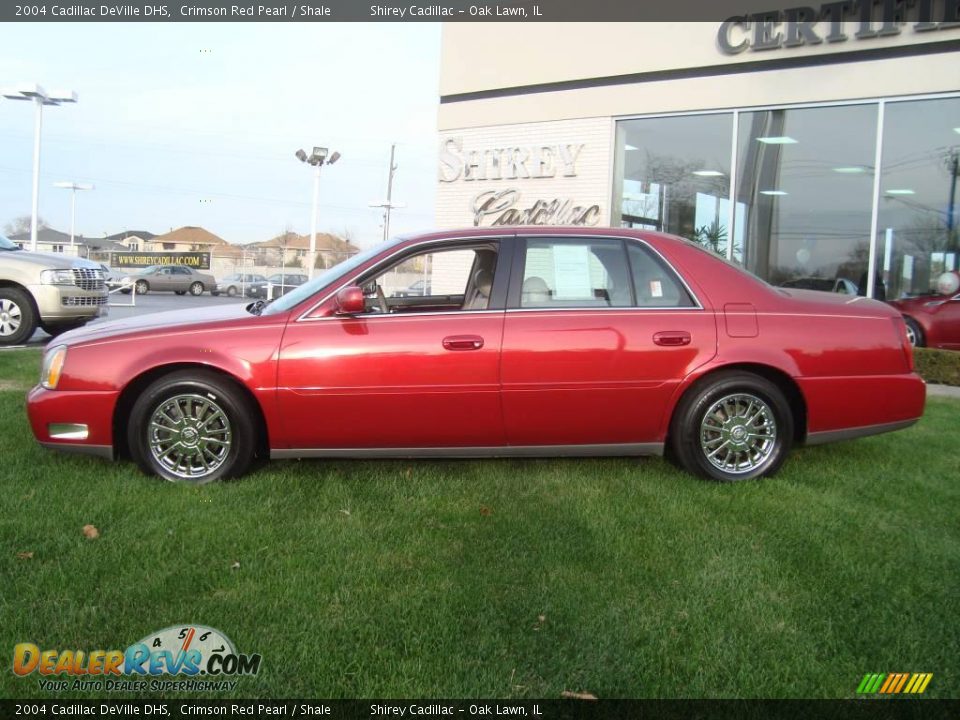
<point x="501" y="578"/>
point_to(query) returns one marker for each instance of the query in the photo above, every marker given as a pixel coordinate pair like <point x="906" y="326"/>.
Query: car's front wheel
<point x="196" y="288"/>
<point x="231" y="291"/>
<point x="192" y="426"/>
<point x="18" y="319"/>
<point x="142" y="287"/>
<point x="732" y="426"/>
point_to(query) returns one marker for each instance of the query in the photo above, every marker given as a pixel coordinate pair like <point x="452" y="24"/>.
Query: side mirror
<point x="349" y="301"/>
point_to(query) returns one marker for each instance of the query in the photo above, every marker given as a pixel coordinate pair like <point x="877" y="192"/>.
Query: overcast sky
<point x="197" y="124"/>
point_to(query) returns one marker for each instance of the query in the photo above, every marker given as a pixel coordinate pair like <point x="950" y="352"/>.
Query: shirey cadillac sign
<point x="529" y="170"/>
<point x="196" y="260"/>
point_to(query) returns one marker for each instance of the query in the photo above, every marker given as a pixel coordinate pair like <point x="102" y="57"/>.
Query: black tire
<point x="59" y="329"/>
<point x="196" y="288"/>
<point x="179" y="292"/>
<point x="231" y="291"/>
<point x="218" y="393"/>
<point x="712" y="419"/>
<point x="914" y="332"/>
<point x="142" y="287"/>
<point x="18" y="318"/>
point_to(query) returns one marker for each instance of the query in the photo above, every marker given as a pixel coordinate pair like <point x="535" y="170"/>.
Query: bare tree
<point x="22" y="225"/>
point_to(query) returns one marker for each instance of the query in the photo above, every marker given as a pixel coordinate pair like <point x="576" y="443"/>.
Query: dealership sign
<point x="517" y="162"/>
<point x="499" y="207"/>
<point x="195" y="260"/>
<point x="798" y="26"/>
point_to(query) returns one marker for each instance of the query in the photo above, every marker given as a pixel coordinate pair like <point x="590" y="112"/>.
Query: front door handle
<point x="673" y="338"/>
<point x="463" y="342"/>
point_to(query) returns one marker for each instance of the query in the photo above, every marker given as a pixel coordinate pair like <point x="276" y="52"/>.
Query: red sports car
<point x="932" y="320"/>
<point x="531" y="342"/>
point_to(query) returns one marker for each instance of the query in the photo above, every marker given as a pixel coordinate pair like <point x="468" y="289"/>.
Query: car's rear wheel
<point x="914" y="332"/>
<point x="142" y="287"/>
<point x="179" y="292"/>
<point x="192" y="426"/>
<point x="231" y="291"/>
<point x="18" y="319"/>
<point x="732" y="426"/>
<point x="196" y="288"/>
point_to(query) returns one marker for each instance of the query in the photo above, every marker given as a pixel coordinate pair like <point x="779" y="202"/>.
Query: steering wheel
<point x="382" y="300"/>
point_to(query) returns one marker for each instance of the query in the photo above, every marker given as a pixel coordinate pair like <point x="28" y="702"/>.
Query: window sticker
<point x="656" y="289"/>
<point x="571" y="267"/>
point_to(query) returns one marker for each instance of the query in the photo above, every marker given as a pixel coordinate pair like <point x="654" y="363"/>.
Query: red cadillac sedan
<point x="529" y="342"/>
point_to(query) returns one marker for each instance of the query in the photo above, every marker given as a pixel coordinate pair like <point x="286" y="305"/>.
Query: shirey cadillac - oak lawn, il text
<point x="525" y="342"/>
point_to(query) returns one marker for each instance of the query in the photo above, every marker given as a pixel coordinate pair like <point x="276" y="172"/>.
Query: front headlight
<point x="53" y="362"/>
<point x="56" y="277"/>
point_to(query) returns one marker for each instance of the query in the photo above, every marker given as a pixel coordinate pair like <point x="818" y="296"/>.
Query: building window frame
<point x="880" y="104"/>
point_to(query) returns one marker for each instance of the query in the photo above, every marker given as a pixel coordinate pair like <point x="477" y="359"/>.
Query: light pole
<point x="39" y="97"/>
<point x="388" y="204"/>
<point x="317" y="158"/>
<point x="73" y="187"/>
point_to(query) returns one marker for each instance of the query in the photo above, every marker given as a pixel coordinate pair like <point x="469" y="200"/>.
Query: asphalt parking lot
<point x="149" y="303"/>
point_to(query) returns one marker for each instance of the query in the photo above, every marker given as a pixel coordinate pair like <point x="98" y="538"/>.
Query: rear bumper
<point x="840" y="408"/>
<point x="75" y="421"/>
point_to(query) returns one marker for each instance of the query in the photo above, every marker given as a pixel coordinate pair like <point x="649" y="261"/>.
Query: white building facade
<point x="817" y="151"/>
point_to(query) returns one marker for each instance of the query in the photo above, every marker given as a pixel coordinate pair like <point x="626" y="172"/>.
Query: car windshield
<point x="6" y="244"/>
<point x="147" y="270"/>
<point x="302" y="292"/>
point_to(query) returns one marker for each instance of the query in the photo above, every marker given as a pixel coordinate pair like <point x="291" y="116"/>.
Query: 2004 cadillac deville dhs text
<point x="530" y="342"/>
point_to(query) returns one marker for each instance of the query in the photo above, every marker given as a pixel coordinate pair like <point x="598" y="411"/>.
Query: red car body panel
<point x="554" y="377"/>
<point x="938" y="317"/>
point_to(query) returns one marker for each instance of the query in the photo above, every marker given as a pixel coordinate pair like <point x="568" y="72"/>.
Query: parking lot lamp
<point x="317" y="158"/>
<point x="73" y="187"/>
<point x="39" y="97"/>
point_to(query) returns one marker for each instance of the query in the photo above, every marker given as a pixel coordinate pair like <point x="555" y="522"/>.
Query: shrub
<point x="938" y="366"/>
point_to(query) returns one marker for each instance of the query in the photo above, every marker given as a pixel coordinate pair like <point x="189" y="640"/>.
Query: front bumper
<point x="73" y="420"/>
<point x="66" y="302"/>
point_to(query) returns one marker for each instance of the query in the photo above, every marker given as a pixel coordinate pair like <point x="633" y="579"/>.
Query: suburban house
<point x="133" y="240"/>
<point x="54" y="241"/>
<point x="291" y="250"/>
<point x="186" y="239"/>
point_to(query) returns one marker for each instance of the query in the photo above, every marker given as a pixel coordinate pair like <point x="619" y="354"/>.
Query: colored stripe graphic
<point x="894" y="683"/>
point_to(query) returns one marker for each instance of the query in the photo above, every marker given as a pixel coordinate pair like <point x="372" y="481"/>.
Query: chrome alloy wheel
<point x="189" y="436"/>
<point x="10" y="317"/>
<point x="738" y="433"/>
<point x="911" y="335"/>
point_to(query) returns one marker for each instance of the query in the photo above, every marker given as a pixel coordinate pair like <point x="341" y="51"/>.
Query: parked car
<point x="841" y="285"/>
<point x="933" y="320"/>
<point x="283" y="282"/>
<point x="236" y="284"/>
<point x="417" y="289"/>
<point x="113" y="278"/>
<point x="52" y="291"/>
<point x="176" y="278"/>
<point x="556" y="342"/>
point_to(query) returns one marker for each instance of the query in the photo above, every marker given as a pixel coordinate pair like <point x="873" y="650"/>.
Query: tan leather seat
<point x="534" y="292"/>
<point x="482" y="285"/>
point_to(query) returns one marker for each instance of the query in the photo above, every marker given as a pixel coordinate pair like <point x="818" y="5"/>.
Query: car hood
<point x="921" y="301"/>
<point x="173" y="320"/>
<point x="52" y="261"/>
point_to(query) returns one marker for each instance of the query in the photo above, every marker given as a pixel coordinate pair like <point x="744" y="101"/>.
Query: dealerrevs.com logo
<point x="198" y="657"/>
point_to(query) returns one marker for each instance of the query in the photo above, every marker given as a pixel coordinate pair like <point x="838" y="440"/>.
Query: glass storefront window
<point x="917" y="233"/>
<point x="674" y="176"/>
<point x="805" y="179"/>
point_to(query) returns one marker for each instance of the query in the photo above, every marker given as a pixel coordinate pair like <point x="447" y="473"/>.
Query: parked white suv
<point x="55" y="292"/>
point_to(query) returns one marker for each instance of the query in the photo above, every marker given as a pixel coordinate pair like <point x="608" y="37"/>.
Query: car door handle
<point x="463" y="342"/>
<point x="672" y="338"/>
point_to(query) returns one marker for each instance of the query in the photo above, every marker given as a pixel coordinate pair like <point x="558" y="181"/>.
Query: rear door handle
<point x="672" y="338"/>
<point x="463" y="342"/>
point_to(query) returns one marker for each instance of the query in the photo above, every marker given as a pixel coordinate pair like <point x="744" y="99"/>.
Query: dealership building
<point x="785" y="141"/>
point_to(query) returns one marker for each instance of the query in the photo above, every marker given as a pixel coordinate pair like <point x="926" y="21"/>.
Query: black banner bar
<point x="133" y="259"/>
<point x="397" y="10"/>
<point x="867" y="709"/>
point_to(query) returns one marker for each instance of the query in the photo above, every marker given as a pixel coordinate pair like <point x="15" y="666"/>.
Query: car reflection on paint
<point x="530" y="342"/>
